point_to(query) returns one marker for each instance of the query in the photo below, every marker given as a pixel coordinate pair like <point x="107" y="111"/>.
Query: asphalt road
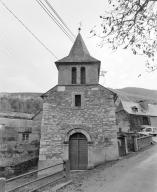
<point x="155" y="139"/>
<point x="138" y="176"/>
<point x="134" y="174"/>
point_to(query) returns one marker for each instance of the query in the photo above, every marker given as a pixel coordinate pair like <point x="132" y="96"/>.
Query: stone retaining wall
<point x="21" y="168"/>
<point x="143" y="142"/>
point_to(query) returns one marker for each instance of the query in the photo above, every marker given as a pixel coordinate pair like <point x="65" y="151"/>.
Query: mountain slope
<point x="20" y="102"/>
<point x="32" y="102"/>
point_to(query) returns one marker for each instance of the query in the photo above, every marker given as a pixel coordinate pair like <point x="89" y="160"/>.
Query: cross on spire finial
<point x="80" y="25"/>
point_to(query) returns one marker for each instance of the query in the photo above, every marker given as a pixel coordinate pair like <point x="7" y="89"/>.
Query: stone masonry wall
<point x="153" y="121"/>
<point x="143" y="142"/>
<point x="122" y="121"/>
<point x="64" y="77"/>
<point x="96" y="116"/>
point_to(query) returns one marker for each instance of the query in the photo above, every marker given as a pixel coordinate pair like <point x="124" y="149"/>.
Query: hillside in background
<point x="134" y="93"/>
<point x="20" y="102"/>
<point x="32" y="102"/>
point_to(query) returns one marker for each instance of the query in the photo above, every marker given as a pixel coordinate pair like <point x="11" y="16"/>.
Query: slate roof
<point x="78" y="53"/>
<point x="128" y="101"/>
<point x="127" y="106"/>
<point x="133" y="97"/>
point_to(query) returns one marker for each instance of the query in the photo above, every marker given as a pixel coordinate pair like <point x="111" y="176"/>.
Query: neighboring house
<point x="27" y="125"/>
<point x="20" y="137"/>
<point x="19" y="122"/>
<point x="78" y="122"/>
<point x="131" y="115"/>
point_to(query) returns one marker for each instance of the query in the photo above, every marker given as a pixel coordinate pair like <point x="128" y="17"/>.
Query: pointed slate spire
<point x="78" y="53"/>
<point x="79" y="48"/>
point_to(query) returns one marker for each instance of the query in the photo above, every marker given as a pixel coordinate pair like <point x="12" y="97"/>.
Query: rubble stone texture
<point x="95" y="118"/>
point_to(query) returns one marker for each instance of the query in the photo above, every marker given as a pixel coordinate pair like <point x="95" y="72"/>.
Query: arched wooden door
<point x="78" y="152"/>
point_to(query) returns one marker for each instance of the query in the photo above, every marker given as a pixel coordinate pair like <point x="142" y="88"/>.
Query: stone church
<point x="78" y="122"/>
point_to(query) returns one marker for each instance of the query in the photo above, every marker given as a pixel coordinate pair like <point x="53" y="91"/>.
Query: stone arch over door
<point x="77" y="130"/>
<point x="78" y="143"/>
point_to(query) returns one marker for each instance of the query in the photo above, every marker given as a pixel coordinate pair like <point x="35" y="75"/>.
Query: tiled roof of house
<point x="129" y="106"/>
<point x="78" y="53"/>
<point x="130" y="101"/>
<point x="133" y="97"/>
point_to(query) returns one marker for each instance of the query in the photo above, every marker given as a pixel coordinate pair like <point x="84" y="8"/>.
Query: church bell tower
<point x="79" y="67"/>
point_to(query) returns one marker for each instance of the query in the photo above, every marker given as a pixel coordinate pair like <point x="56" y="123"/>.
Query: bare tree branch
<point x="131" y="24"/>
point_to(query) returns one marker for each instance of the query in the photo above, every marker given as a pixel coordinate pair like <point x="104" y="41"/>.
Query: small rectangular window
<point x="78" y="100"/>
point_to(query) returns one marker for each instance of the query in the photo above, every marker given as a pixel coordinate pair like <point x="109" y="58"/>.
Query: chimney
<point x="143" y="104"/>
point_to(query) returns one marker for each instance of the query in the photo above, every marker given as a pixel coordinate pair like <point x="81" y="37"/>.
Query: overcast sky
<point x="25" y="66"/>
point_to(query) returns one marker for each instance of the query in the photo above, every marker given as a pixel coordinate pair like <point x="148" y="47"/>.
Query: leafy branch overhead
<point x="131" y="24"/>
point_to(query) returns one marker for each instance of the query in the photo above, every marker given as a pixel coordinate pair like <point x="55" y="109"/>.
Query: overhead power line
<point x="58" y="16"/>
<point x="43" y="6"/>
<point x="21" y="22"/>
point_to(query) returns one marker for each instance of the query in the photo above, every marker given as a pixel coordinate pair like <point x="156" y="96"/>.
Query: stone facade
<point x="96" y="117"/>
<point x="93" y="117"/>
<point x="153" y="121"/>
<point x="123" y="123"/>
<point x="130" y="115"/>
<point x="143" y="142"/>
<point x="64" y="76"/>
